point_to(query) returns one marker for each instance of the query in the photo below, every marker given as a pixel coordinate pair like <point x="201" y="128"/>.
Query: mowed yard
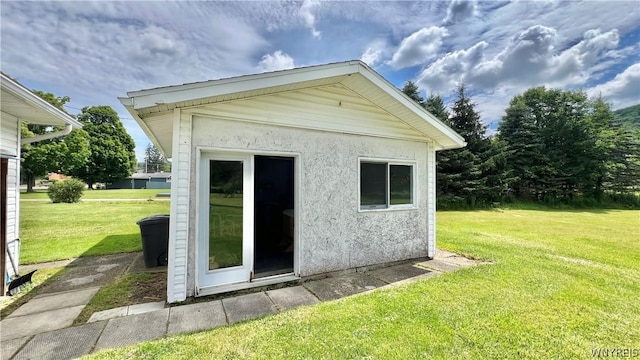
<point x="562" y="284"/>
<point x="101" y="224"/>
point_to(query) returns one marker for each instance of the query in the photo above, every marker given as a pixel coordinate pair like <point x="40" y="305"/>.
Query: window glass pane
<point x="373" y="184"/>
<point x="400" y="184"/>
<point x="225" y="214"/>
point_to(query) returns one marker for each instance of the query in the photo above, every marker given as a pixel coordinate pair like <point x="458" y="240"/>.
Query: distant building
<point x="160" y="180"/>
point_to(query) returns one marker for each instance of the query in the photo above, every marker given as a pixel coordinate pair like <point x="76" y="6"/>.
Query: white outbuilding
<point x="19" y="105"/>
<point x="287" y="174"/>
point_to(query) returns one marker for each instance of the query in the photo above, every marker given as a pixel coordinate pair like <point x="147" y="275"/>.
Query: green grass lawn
<point x="62" y="231"/>
<point x="225" y="232"/>
<point x="141" y="194"/>
<point x="561" y="284"/>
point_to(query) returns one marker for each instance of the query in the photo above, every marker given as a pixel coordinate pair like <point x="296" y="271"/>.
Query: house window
<point x="386" y="185"/>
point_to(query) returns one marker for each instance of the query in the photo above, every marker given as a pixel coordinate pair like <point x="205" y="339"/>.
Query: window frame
<point x="388" y="206"/>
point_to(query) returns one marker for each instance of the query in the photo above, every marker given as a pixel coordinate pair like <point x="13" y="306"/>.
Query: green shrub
<point x="68" y="191"/>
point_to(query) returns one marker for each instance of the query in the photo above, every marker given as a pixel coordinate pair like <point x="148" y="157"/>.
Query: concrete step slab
<point x="19" y="326"/>
<point x="196" y="317"/>
<point x="440" y="265"/>
<point x="344" y="285"/>
<point x="397" y="273"/>
<point x="10" y="347"/>
<point x="69" y="343"/>
<point x="108" y="314"/>
<point x="460" y="261"/>
<point x="55" y="301"/>
<point x="146" y="307"/>
<point x="247" y="307"/>
<point x="292" y="297"/>
<point x="133" y="329"/>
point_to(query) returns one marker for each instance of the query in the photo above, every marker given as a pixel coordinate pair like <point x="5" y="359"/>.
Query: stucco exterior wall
<point x="333" y="233"/>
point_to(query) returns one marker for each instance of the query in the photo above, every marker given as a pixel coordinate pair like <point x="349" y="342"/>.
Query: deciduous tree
<point x="62" y="155"/>
<point x="112" y="148"/>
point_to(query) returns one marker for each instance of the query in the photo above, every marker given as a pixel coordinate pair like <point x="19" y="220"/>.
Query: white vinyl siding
<point x="329" y="108"/>
<point x="9" y="139"/>
<point x="431" y="201"/>
<point x="177" y="272"/>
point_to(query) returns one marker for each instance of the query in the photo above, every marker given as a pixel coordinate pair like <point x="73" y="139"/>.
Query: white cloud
<point x="276" y="61"/>
<point x="529" y="59"/>
<point x="419" y="47"/>
<point x="100" y="50"/>
<point x="371" y="56"/>
<point x="306" y="12"/>
<point x="623" y="90"/>
<point x="459" y="10"/>
<point x="443" y="74"/>
<point x="375" y="53"/>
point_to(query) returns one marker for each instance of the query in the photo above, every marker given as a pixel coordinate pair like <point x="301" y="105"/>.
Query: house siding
<point x="177" y="274"/>
<point x="431" y="200"/>
<point x="9" y="147"/>
<point x="329" y="108"/>
<point x="333" y="233"/>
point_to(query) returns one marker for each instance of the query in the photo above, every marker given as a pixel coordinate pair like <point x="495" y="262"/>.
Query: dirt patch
<point x="149" y="290"/>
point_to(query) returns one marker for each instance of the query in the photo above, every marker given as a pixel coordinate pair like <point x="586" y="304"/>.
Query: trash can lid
<point x="153" y="219"/>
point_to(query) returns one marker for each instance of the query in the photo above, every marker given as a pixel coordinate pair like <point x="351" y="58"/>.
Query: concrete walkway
<point x="40" y="328"/>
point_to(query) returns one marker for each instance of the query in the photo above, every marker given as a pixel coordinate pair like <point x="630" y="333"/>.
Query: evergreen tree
<point x="560" y="144"/>
<point x="411" y="90"/>
<point x="435" y="106"/>
<point x="112" y="148"/>
<point x="462" y="174"/>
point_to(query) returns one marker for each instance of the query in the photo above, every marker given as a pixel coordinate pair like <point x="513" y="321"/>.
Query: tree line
<point x="552" y="146"/>
<point x="101" y="152"/>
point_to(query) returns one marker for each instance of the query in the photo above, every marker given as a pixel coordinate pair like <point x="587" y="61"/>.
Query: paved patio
<point x="40" y="328"/>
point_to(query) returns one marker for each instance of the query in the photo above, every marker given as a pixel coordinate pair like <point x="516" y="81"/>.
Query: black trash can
<point x="154" y="231"/>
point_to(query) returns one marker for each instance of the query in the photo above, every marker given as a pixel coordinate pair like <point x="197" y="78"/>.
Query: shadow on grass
<point x="113" y="244"/>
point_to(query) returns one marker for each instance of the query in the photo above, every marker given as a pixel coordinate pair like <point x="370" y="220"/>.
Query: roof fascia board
<point x="34" y="100"/>
<point x="126" y="102"/>
<point x="382" y="83"/>
<point x="175" y="94"/>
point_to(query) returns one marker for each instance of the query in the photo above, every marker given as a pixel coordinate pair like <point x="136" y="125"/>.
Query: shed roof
<point x="353" y="75"/>
<point x="18" y="101"/>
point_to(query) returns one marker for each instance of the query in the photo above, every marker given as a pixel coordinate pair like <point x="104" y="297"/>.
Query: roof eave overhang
<point x="456" y="142"/>
<point x="128" y="104"/>
<point x="140" y="103"/>
<point x="176" y="94"/>
<point x="57" y="116"/>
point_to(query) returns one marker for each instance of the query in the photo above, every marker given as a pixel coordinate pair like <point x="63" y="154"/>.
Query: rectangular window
<point x="385" y="185"/>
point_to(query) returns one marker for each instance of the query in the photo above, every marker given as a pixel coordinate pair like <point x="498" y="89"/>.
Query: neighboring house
<point x="19" y="104"/>
<point x="292" y="173"/>
<point x="160" y="180"/>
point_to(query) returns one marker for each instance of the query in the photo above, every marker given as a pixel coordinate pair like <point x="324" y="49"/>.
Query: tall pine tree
<point x="461" y="174"/>
<point x="560" y="144"/>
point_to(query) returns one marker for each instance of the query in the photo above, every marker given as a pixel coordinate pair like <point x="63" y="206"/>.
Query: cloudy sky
<point x="94" y="52"/>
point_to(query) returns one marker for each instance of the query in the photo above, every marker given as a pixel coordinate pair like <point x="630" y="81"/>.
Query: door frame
<point x="202" y="175"/>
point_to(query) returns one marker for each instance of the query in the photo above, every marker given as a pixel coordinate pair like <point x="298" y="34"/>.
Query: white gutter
<point x="47" y="136"/>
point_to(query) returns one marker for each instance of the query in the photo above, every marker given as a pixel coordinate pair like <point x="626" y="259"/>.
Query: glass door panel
<point x="225" y="219"/>
<point x="225" y="213"/>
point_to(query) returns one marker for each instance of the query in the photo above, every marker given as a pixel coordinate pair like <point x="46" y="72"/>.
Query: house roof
<point x="147" y="176"/>
<point x="18" y="101"/>
<point x="353" y="75"/>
